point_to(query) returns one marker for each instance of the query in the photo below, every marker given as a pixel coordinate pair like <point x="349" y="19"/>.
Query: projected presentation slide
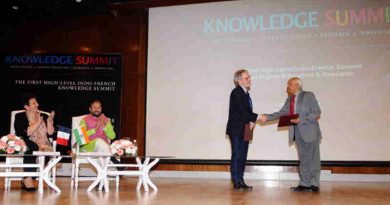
<point x="340" y="49"/>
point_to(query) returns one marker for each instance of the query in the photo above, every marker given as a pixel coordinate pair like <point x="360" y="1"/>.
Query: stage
<point x="201" y="191"/>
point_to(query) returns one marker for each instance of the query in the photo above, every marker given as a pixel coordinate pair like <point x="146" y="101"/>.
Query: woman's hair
<point x="26" y="97"/>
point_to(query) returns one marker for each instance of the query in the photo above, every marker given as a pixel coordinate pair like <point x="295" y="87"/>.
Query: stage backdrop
<point x="340" y="48"/>
<point x="65" y="83"/>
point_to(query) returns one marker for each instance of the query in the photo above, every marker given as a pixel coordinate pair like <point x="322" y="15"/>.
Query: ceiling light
<point x="15" y="7"/>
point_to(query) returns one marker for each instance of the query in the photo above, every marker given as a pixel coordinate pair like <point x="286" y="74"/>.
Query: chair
<point x="77" y="160"/>
<point x="19" y="160"/>
<point x="75" y="178"/>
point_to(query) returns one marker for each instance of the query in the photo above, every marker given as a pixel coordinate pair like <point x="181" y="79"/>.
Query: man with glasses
<point x="305" y="132"/>
<point x="240" y="115"/>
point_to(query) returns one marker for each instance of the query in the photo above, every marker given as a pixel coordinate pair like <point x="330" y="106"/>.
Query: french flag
<point x="63" y="134"/>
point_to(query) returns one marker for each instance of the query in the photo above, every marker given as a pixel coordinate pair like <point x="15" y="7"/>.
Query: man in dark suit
<point x="305" y="132"/>
<point x="240" y="114"/>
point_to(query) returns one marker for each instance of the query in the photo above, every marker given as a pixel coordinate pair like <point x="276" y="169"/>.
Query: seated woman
<point x="34" y="128"/>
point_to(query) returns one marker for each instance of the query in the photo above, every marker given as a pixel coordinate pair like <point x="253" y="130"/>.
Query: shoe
<point x="315" y="188"/>
<point x="237" y="186"/>
<point x="301" y="189"/>
<point x="29" y="189"/>
<point x="245" y="186"/>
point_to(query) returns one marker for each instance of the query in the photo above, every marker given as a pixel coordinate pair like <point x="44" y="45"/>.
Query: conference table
<point x="43" y="172"/>
<point x="101" y="162"/>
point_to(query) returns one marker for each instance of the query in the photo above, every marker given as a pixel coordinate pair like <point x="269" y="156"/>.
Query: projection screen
<point x="340" y="49"/>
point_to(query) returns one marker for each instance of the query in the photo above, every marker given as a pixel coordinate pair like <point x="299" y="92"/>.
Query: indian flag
<point x="63" y="134"/>
<point x="81" y="135"/>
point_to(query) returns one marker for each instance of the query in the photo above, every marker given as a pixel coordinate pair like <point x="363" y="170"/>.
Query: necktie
<point x="249" y="99"/>
<point x="292" y="102"/>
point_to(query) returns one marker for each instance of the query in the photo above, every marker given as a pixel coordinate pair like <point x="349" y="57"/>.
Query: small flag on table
<point x="81" y="135"/>
<point x="63" y="134"/>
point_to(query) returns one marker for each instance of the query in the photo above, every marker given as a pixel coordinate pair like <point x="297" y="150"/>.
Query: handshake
<point x="262" y="119"/>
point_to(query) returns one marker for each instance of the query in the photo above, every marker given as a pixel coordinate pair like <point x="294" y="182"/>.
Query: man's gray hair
<point x="298" y="80"/>
<point x="238" y="75"/>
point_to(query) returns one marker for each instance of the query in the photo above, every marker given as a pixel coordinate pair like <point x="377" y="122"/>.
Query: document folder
<point x="248" y="133"/>
<point x="285" y="120"/>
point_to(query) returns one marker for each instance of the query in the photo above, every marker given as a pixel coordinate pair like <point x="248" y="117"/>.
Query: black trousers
<point x="238" y="158"/>
<point x="30" y="159"/>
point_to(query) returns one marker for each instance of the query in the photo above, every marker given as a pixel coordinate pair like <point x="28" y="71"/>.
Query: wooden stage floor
<point x="202" y="192"/>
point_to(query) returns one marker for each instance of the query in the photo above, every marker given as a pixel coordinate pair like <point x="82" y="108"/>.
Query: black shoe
<point x="301" y="189"/>
<point x="29" y="189"/>
<point x="245" y="186"/>
<point x="315" y="188"/>
<point x="237" y="186"/>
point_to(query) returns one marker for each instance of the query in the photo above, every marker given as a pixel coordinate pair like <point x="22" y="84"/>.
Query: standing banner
<point x="65" y="83"/>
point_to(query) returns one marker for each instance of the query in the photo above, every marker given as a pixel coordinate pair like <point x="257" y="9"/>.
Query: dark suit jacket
<point x="240" y="113"/>
<point x="21" y="125"/>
